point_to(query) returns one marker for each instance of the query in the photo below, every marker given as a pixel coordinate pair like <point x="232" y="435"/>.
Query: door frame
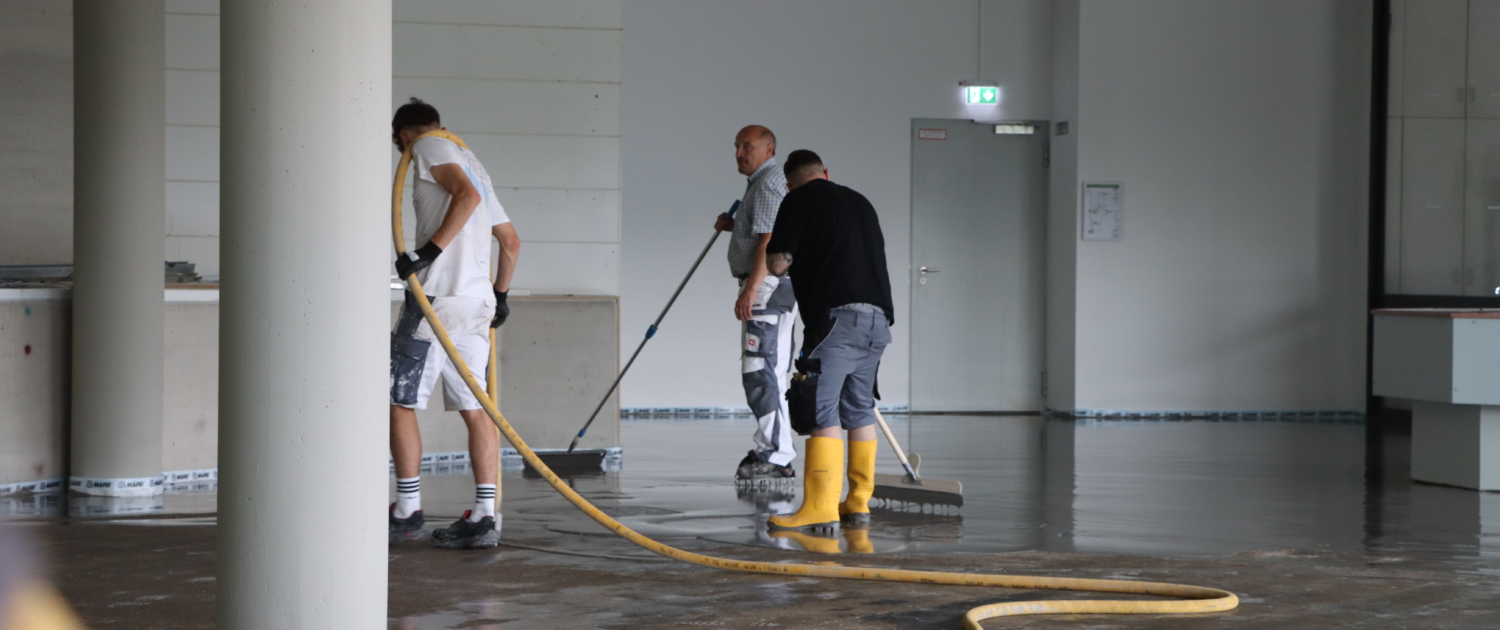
<point x="1043" y="127"/>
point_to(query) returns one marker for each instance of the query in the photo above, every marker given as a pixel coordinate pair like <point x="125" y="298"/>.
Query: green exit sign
<point x="982" y="95"/>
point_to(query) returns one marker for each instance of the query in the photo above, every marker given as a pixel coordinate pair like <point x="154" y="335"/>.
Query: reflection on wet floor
<point x="1268" y="488"/>
<point x="1173" y="488"/>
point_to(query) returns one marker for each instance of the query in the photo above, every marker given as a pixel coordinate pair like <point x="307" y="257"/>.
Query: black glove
<point x="412" y="262"/>
<point x="502" y="310"/>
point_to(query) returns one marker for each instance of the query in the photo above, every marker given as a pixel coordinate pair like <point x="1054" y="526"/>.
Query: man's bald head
<point x="753" y="145"/>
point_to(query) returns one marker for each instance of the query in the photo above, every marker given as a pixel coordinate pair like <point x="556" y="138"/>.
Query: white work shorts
<point x="414" y="374"/>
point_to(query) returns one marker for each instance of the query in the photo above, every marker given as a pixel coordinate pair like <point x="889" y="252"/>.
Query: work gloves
<point x="412" y="262"/>
<point x="502" y="310"/>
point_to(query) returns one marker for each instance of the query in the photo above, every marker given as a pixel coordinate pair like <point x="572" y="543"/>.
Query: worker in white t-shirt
<point x="457" y="215"/>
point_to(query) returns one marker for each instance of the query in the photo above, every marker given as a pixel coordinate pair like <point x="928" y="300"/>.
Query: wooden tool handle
<point x="891" y="438"/>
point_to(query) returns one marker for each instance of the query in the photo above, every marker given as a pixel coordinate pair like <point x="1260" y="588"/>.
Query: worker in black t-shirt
<point x="828" y="238"/>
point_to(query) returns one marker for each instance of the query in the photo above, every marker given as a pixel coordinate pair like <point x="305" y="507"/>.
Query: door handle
<point x="928" y="270"/>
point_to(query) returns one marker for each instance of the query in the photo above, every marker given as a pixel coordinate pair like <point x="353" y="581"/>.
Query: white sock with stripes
<point x="484" y="502"/>
<point x="408" y="496"/>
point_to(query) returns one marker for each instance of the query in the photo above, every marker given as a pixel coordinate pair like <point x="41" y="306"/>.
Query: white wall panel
<point x="549" y="161"/>
<point x="1432" y="199"/>
<point x="36" y="122"/>
<point x="192" y="208"/>
<point x="533" y="88"/>
<point x="192" y="97"/>
<point x="561" y="215"/>
<point x="1482" y="208"/>
<point x="202" y="251"/>
<point x="192" y="42"/>
<point x="528" y="107"/>
<point x="504" y="52"/>
<point x="1484" y="59"/>
<point x="1435" y="50"/>
<point x="601" y="14"/>
<point x="198" y="7"/>
<point x="193" y="154"/>
<point x="568" y="268"/>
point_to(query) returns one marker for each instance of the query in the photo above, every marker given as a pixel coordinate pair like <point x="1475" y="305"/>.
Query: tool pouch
<point x="802" y="396"/>
<point x="408" y="358"/>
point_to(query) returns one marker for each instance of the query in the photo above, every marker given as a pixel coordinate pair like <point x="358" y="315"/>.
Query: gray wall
<point x="1240" y="130"/>
<point x="841" y="77"/>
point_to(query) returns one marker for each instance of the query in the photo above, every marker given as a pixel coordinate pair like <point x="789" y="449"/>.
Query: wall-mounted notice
<point x="1103" y="211"/>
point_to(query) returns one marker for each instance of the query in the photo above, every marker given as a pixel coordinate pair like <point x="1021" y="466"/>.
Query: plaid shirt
<point x="756" y="216"/>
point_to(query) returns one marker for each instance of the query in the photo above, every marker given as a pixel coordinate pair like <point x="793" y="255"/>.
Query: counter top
<point x="1440" y="313"/>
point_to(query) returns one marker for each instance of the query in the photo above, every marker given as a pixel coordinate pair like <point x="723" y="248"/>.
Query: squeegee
<point x="913" y="488"/>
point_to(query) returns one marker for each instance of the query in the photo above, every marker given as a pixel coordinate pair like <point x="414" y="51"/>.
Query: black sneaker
<point x="405" y="529"/>
<point x="463" y="534"/>
<point x="746" y="465"/>
<point x="752" y="469"/>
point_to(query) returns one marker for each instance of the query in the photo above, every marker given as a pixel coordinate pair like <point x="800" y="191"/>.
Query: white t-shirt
<point x="464" y="266"/>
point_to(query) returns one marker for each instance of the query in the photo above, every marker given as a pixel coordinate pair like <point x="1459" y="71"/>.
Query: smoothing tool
<point x="913" y="488"/>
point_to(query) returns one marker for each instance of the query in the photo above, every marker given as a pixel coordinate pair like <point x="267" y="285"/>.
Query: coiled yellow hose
<point x="1192" y="599"/>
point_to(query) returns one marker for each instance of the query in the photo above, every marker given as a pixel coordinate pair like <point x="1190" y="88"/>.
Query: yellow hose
<point x="1193" y="599"/>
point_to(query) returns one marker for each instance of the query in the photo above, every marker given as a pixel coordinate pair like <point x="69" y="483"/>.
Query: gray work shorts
<point x="848" y="358"/>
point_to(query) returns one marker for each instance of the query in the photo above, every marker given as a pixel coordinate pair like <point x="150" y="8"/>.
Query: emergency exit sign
<point x="982" y="95"/>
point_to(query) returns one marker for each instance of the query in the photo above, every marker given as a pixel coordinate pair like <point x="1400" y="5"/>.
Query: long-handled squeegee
<point x="913" y="488"/>
<point x="573" y="456"/>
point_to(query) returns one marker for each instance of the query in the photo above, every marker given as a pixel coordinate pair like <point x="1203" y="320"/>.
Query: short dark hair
<point x="801" y="161"/>
<point x="415" y="113"/>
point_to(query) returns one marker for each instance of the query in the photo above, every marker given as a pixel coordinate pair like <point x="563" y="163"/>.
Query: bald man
<point x="765" y="308"/>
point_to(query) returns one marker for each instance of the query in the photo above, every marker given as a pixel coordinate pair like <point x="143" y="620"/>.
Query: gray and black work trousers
<point x="766" y="357"/>
<point x="848" y="357"/>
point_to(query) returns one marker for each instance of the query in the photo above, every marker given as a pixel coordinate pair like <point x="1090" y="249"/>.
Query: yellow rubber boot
<point x="821" y="485"/>
<point x="809" y="542"/>
<point x="858" y="540"/>
<point x="855" y="510"/>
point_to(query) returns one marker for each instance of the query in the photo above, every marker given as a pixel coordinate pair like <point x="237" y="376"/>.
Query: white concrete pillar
<point x="305" y="313"/>
<point x="119" y="200"/>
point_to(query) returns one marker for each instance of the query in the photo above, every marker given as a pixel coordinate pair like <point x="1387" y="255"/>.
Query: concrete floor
<point x="1310" y="521"/>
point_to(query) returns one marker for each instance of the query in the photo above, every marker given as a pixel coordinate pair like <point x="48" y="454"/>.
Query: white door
<point x="979" y="202"/>
<point x="1482" y="209"/>
<point x="1432" y="200"/>
<point x="1484" y="58"/>
<point x="1434" y="76"/>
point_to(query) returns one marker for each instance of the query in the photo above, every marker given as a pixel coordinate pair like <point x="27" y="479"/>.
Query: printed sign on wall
<point x="1103" y="211"/>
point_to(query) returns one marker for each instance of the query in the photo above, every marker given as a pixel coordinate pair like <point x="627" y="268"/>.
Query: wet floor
<point x="1200" y="494"/>
<point x="1179" y="488"/>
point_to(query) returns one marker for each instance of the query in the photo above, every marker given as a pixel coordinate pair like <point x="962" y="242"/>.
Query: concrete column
<point x="119" y="200"/>
<point x="305" y="313"/>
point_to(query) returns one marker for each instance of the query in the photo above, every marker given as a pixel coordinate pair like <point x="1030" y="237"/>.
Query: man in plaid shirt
<point x="765" y="307"/>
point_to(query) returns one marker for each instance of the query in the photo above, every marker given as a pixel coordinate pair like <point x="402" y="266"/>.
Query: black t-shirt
<point x="838" y="251"/>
